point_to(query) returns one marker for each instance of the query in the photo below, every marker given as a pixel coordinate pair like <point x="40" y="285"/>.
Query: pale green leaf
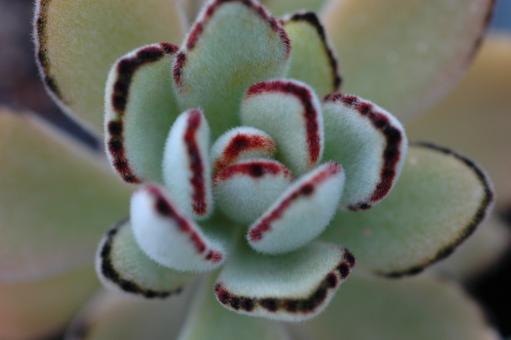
<point x="232" y="45"/>
<point x="301" y="213"/>
<point x="56" y="200"/>
<point x="422" y="308"/>
<point x="121" y="265"/>
<point x="369" y="142"/>
<point x="476" y="117"/>
<point x="170" y="238"/>
<point x="290" y="112"/>
<point x="291" y="287"/>
<point x="405" y="54"/>
<point x="140" y="107"/>
<point x="78" y="41"/>
<point x="439" y="200"/>
<point x="312" y="59"/>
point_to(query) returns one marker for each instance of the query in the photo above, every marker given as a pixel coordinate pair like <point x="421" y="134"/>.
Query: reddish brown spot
<point x="196" y="163"/>
<point x="253" y="169"/>
<point x="310" y="113"/>
<point x="312" y="19"/>
<point x="393" y="143"/>
<point x="178" y="68"/>
<point x="126" y="69"/>
<point x="257" y="232"/>
<point x="243" y="143"/>
<point x="165" y="208"/>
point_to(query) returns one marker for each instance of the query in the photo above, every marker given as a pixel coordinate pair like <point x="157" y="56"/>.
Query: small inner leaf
<point x="170" y="238"/>
<point x="121" y="264"/>
<point x="139" y="110"/>
<point x="291" y="287"/>
<point x="369" y="142"/>
<point x="290" y="112"/>
<point x="244" y="190"/>
<point x="239" y="144"/>
<point x="301" y="213"/>
<point x="186" y="166"/>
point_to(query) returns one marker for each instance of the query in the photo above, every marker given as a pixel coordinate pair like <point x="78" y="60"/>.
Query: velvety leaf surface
<point x="232" y="45"/>
<point x="301" y="212"/>
<point x="122" y="265"/>
<point x="290" y="112"/>
<point x="41" y="308"/>
<point x="480" y="112"/>
<point x="369" y="142"/>
<point x="438" y="201"/>
<point x="56" y="200"/>
<point x="405" y="54"/>
<point x="312" y="59"/>
<point x="291" y="287"/>
<point x="208" y="320"/>
<point x="78" y="41"/>
<point x="140" y="108"/>
<point x="244" y="190"/>
<point x="170" y="238"/>
<point x="369" y="308"/>
<point x="186" y="165"/>
<point x="112" y="316"/>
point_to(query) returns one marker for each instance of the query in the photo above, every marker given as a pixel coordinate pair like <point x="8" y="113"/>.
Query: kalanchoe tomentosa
<point x="289" y="154"/>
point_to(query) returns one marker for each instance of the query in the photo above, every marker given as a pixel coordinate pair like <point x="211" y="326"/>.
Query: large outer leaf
<point x="419" y="309"/>
<point x="476" y="117"/>
<point x="55" y="200"/>
<point x="437" y="203"/>
<point x="77" y="42"/>
<point x="405" y="54"/>
<point x="41" y="308"/>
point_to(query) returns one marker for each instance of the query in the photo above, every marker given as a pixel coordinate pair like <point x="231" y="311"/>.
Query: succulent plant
<point x="249" y="163"/>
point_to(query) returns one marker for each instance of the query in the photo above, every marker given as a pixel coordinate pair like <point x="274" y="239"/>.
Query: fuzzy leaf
<point x="312" y="59"/>
<point x="291" y="287"/>
<point x="186" y="166"/>
<point x="208" y="320"/>
<point x="78" y="41"/>
<point x="241" y="143"/>
<point x="301" y="213"/>
<point x="114" y="316"/>
<point x="56" y="200"/>
<point x="290" y="112"/>
<point x="170" y="238"/>
<point x="140" y="108"/>
<point x="39" y="309"/>
<point x="244" y="190"/>
<point x="369" y="142"/>
<point x="439" y="200"/>
<point x="232" y="45"/>
<point x="121" y="265"/>
<point x="405" y="59"/>
<point x="479" y="109"/>
<point x="422" y="308"/>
